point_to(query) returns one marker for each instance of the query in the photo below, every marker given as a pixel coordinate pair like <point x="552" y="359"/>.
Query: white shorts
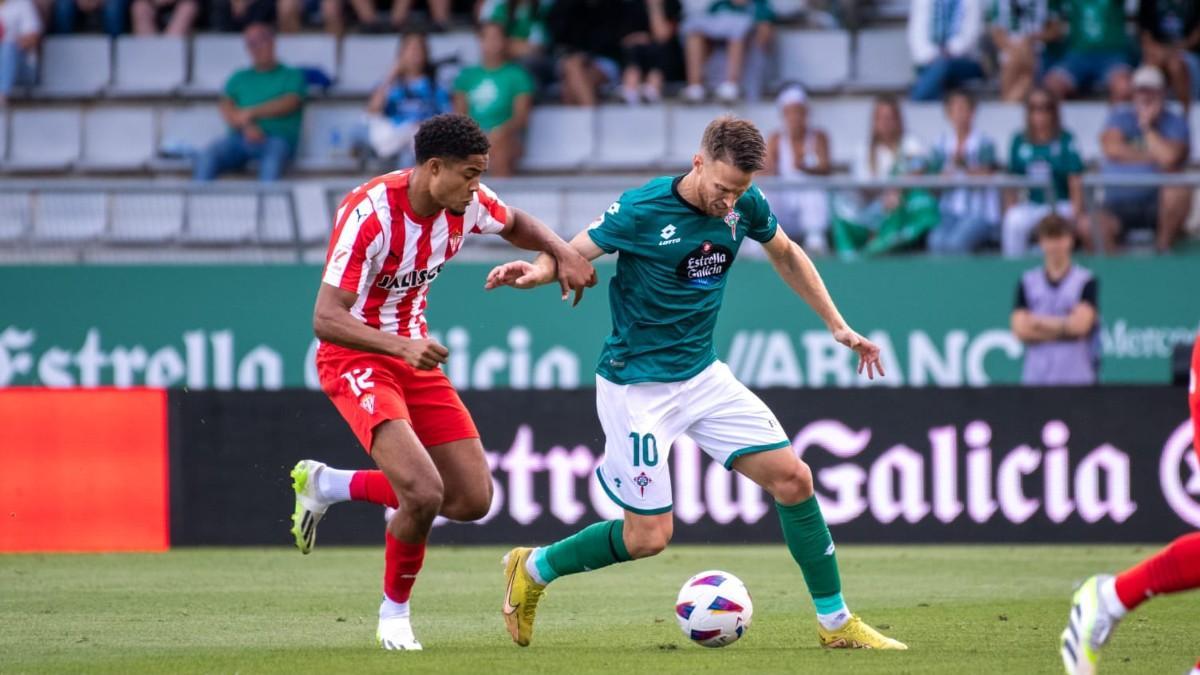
<point x="642" y="421"/>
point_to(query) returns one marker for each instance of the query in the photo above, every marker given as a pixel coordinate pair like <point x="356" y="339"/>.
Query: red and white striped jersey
<point x="388" y="256"/>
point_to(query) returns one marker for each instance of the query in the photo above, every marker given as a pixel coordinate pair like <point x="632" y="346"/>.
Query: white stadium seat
<point x="149" y="66"/>
<point x="317" y="51"/>
<point x="818" y="59"/>
<point x="3" y="136"/>
<point x="220" y="218"/>
<point x="187" y="130"/>
<point x="1085" y="119"/>
<point x="684" y="129"/>
<point x="366" y="60"/>
<point x="462" y="48"/>
<point x="545" y="205"/>
<point x="883" y="60"/>
<point x="1000" y="121"/>
<point x="14" y="216"/>
<point x="562" y="139"/>
<point x="69" y="216"/>
<point x="74" y="66"/>
<point x="325" y="139"/>
<point x="630" y="137"/>
<point x="147" y="218"/>
<point x="847" y="121"/>
<point x="117" y="139"/>
<point x="278" y="226"/>
<point x="584" y="206"/>
<point x="44" y="139"/>
<point x="214" y="58"/>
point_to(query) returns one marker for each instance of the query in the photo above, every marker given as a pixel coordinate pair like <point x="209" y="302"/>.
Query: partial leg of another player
<point x="789" y="480"/>
<point x="529" y="570"/>
<point x="1103" y="600"/>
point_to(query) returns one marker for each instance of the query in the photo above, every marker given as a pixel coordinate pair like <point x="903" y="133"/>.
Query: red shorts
<point x="369" y="389"/>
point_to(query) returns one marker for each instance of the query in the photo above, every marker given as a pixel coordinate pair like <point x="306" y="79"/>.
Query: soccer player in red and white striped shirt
<point x="1103" y="600"/>
<point x="392" y="236"/>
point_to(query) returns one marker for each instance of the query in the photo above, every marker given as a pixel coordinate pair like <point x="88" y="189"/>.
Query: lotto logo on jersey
<point x="668" y="235"/>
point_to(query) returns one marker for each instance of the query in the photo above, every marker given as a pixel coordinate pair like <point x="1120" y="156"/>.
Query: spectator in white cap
<point x="795" y="151"/>
<point x="1144" y="138"/>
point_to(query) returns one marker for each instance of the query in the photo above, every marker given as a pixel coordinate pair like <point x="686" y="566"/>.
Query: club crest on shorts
<point x="642" y="480"/>
<point x="731" y="219"/>
<point x="368" y="403"/>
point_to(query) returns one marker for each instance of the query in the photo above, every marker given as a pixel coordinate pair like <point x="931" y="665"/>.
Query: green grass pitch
<point x="977" y="609"/>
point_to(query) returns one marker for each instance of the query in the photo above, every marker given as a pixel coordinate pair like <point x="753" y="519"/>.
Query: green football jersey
<point x="671" y="266"/>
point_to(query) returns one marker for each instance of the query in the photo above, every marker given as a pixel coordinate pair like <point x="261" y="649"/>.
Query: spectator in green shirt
<point x="498" y="94"/>
<point x="262" y="105"/>
<point x="1042" y="151"/>
<point x="1099" y="51"/>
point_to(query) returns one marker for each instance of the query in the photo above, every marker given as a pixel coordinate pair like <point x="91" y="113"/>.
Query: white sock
<point x="1110" y="599"/>
<point x="393" y="610"/>
<point x="532" y="568"/>
<point x="835" y="620"/>
<point x="333" y="485"/>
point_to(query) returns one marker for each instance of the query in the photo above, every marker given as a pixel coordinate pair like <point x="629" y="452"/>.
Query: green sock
<point x="595" y="546"/>
<point x="811" y="545"/>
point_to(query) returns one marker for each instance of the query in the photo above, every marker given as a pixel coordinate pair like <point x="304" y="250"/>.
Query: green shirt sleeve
<point x="522" y="82"/>
<point x="296" y="83"/>
<point x="1015" y="165"/>
<point x="1071" y="159"/>
<point x="615" y="229"/>
<point x="233" y="85"/>
<point x="763" y="224"/>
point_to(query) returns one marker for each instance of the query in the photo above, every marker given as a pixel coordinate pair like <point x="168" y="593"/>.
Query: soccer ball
<point x="714" y="608"/>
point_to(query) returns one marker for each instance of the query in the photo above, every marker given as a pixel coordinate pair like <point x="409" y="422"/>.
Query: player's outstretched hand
<point x="423" y="354"/>
<point x="575" y="273"/>
<point x="868" y="352"/>
<point x="518" y="274"/>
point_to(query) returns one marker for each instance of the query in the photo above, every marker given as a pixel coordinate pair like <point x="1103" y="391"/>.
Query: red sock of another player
<point x="1173" y="569"/>
<point x="401" y="563"/>
<point x="372" y="486"/>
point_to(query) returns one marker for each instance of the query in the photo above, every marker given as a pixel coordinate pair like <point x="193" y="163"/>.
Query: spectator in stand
<point x="797" y="151"/>
<point x="89" y="15"/>
<point x="498" y="94"/>
<point x="1170" y="38"/>
<point x="1098" y="51"/>
<point x="1144" y="138"/>
<point x="408" y="96"/>
<point x="739" y="25"/>
<point x="647" y="30"/>
<point x="587" y="43"/>
<point x="1020" y="30"/>
<point x="169" y="17"/>
<point x="20" y="33"/>
<point x="439" y="13"/>
<point x="1056" y="314"/>
<point x="1043" y="151"/>
<point x="879" y="221"/>
<point x="970" y="217"/>
<point x="943" y="36"/>
<point x="524" y="24"/>
<point x="263" y="106"/>
<point x="234" y="16"/>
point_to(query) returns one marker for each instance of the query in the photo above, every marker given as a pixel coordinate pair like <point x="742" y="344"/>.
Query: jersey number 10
<point x="645" y="449"/>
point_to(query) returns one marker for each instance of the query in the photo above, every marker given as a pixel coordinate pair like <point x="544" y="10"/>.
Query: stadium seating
<point x="630" y="137"/>
<point x="146" y="218"/>
<point x="69" y="217"/>
<point x="74" y="66"/>
<point x="326" y="138"/>
<point x="214" y="58"/>
<point x="544" y="204"/>
<point x="364" y="62"/>
<point x="44" y="139"/>
<point x="278" y="226"/>
<point x="14" y="217"/>
<point x="117" y="139"/>
<point x="882" y="60"/>
<point x="148" y="66"/>
<point x="317" y="51"/>
<point x="564" y="140"/>
<point x="820" y="59"/>
<point x="221" y="218"/>
<point x="185" y="131"/>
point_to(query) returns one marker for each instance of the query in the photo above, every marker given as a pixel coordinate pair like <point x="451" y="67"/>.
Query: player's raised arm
<point x="545" y="269"/>
<point x="573" y="271"/>
<point x="795" y="267"/>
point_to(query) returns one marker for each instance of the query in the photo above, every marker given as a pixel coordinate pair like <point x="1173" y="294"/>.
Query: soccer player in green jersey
<point x="659" y="376"/>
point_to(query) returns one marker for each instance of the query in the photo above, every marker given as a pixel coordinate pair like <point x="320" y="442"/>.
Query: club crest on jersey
<point x="731" y="219"/>
<point x="642" y="481"/>
<point x="368" y="403"/>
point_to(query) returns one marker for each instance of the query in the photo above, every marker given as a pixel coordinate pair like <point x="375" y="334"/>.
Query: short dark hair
<point x="1053" y="226"/>
<point x="449" y="136"/>
<point x="737" y="142"/>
